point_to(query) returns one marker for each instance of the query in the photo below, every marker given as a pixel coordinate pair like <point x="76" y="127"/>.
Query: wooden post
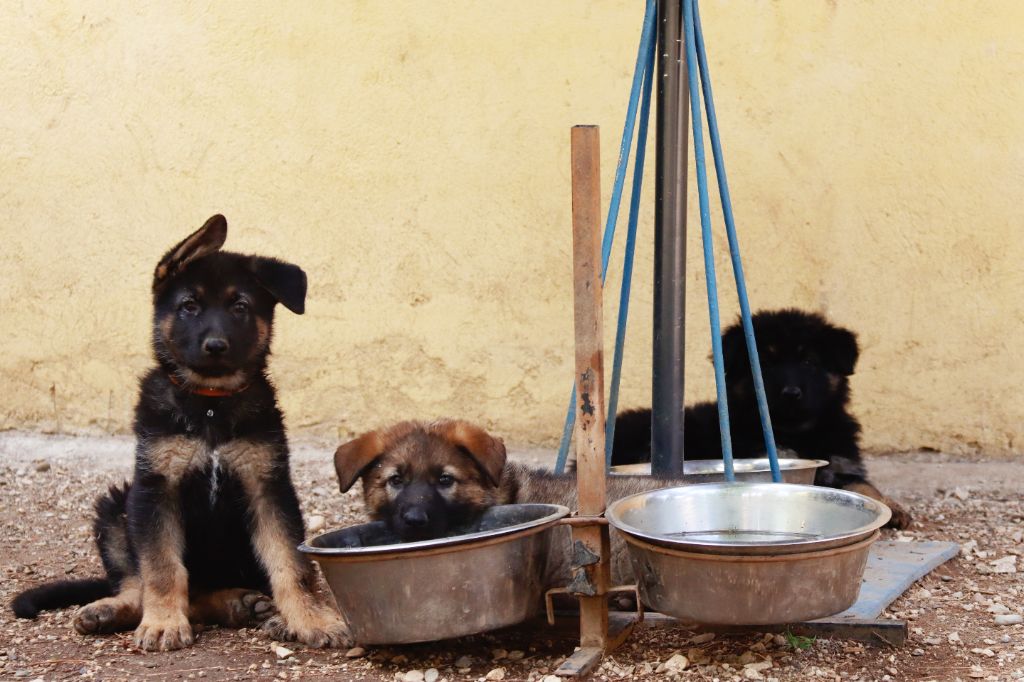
<point x="590" y="407"/>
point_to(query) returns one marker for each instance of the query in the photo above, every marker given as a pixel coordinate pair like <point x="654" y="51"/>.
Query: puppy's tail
<point x="57" y="595"/>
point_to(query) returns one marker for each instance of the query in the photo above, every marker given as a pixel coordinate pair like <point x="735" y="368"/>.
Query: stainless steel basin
<point x="423" y="591"/>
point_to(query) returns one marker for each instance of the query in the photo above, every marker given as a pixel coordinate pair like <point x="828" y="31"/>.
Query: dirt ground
<point x="47" y="486"/>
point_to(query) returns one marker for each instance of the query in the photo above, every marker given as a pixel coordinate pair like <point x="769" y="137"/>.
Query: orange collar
<point x="207" y="392"/>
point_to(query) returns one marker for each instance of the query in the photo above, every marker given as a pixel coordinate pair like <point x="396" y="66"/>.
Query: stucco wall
<point x="413" y="158"/>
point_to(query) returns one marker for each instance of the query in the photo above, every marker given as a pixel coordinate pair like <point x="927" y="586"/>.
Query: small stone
<point x="499" y="654"/>
<point x="953" y="638"/>
<point x="413" y="676"/>
<point x="282" y="652"/>
<point x="676" y="663"/>
<point x="998" y="608"/>
<point x="697" y="656"/>
<point x="747" y="657"/>
<point x="315" y="523"/>
<point x="1005" y="639"/>
<point x="355" y="652"/>
<point x="42" y="466"/>
<point x="1008" y="564"/>
<point x="702" y="638"/>
<point x="431" y="675"/>
<point x="496" y="674"/>
<point x="515" y="655"/>
<point x="399" y="659"/>
<point x="550" y="678"/>
<point x="779" y="640"/>
<point x="917" y="652"/>
<point x="1009" y="619"/>
<point x="463" y="662"/>
<point x="984" y="652"/>
<point x="759" y="666"/>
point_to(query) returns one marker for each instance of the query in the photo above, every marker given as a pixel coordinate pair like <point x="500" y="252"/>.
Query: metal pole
<point x="669" y="245"/>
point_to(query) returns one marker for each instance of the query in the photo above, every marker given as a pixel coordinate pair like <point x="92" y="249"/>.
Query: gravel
<point x="45" y="531"/>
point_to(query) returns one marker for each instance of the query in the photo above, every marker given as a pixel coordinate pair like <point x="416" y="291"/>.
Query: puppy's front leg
<point x="277" y="531"/>
<point x="159" y="539"/>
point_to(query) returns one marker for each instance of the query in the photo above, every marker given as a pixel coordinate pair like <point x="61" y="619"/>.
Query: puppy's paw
<point x="166" y="633"/>
<point x="319" y="627"/>
<point x="248" y="607"/>
<point x="103" y="617"/>
<point x="901" y="518"/>
<point x="94" y="619"/>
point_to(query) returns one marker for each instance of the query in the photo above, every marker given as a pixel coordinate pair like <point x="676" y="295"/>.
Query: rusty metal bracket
<point x="549" y="602"/>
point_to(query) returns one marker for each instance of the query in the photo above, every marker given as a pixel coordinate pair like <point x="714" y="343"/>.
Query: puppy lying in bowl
<point x="431" y="479"/>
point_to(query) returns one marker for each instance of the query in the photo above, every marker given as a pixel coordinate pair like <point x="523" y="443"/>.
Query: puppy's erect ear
<point x="285" y="282"/>
<point x="355" y="456"/>
<point x="204" y="241"/>
<point x="488" y="452"/>
<point x="839" y="350"/>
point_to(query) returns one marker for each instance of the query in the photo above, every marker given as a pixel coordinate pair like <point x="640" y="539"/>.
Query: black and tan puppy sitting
<point x="428" y="480"/>
<point x="208" y="528"/>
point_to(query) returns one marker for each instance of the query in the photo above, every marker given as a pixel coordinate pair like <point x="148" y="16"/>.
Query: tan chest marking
<point x="175" y="456"/>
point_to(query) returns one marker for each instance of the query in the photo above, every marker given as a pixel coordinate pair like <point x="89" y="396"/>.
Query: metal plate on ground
<point x="892" y="568"/>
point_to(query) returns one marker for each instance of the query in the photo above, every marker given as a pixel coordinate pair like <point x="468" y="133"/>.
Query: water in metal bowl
<point x="489" y="576"/>
<point x="748" y="518"/>
<point x="793" y="470"/>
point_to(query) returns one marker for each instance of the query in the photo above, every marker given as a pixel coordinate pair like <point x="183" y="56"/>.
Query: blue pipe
<point x="627" y="264"/>
<point x="709" y="254"/>
<point x="734" y="249"/>
<point x="646" y="41"/>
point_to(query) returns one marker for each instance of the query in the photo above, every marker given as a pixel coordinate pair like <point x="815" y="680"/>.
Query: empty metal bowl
<point x="487" y="578"/>
<point x="747" y="470"/>
<point x="748" y="518"/>
<point x="749" y="589"/>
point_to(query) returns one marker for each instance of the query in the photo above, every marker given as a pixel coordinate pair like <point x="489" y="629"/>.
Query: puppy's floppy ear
<point x="839" y="350"/>
<point x="285" y="282"/>
<point x="488" y="452"/>
<point x="204" y="241"/>
<point x="355" y="456"/>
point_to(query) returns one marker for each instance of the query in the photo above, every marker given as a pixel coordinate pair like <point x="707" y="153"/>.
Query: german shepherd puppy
<point x="209" y="525"/>
<point x="805" y="362"/>
<point x="427" y="480"/>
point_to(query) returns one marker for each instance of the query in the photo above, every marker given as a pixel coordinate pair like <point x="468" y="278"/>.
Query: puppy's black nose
<point x="215" y="346"/>
<point x="792" y="393"/>
<point x="415" y="517"/>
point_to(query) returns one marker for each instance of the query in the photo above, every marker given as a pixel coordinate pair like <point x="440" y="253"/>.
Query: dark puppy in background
<point x="805" y="362"/>
<point x="209" y="525"/>
<point x="428" y="480"/>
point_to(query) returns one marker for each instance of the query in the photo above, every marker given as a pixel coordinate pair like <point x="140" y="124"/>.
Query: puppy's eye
<point x="445" y="481"/>
<point x="240" y="307"/>
<point x="395" y="480"/>
<point x="189" y="307"/>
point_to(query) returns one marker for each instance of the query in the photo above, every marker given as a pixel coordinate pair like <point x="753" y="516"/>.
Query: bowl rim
<point x="555" y="513"/>
<point x="705" y="467"/>
<point x="883" y="514"/>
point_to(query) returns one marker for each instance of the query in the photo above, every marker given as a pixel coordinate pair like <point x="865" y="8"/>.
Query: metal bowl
<point x="747" y="470"/>
<point x="748" y="518"/>
<point x="749" y="589"/>
<point x="487" y="578"/>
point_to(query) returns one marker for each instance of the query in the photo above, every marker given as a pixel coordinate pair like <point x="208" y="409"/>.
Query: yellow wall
<point x="413" y="157"/>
